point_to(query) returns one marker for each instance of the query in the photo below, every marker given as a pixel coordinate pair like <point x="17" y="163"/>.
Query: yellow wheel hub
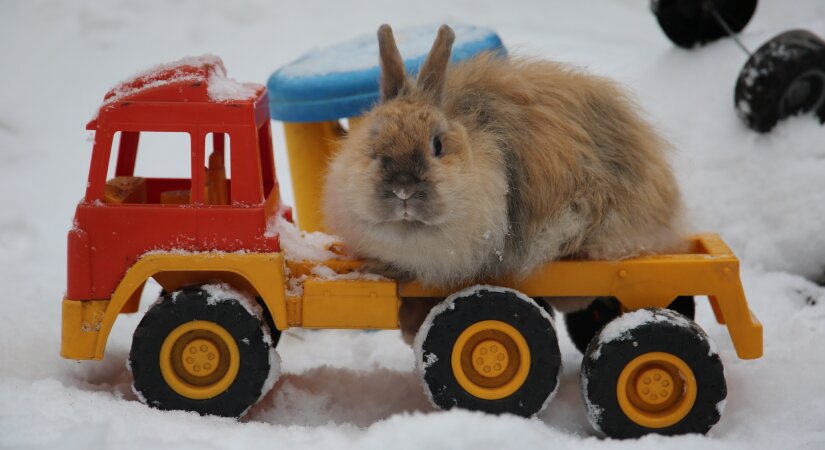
<point x="656" y="390"/>
<point x="490" y="359"/>
<point x="655" y="386"/>
<point x="199" y="359"/>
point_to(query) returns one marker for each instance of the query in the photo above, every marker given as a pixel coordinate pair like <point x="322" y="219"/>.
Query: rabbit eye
<point x="437" y="148"/>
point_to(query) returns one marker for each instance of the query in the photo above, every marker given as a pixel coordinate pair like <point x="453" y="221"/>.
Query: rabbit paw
<point x="388" y="270"/>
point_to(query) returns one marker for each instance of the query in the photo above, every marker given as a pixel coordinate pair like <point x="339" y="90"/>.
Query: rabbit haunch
<point x="496" y="165"/>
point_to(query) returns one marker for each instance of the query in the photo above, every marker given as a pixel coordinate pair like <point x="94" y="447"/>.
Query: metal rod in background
<point x="727" y="29"/>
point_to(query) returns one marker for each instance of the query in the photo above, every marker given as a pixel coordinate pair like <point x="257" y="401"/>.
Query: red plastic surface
<point x="109" y="237"/>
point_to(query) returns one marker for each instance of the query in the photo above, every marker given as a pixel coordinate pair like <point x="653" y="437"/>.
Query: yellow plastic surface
<point x="708" y="268"/>
<point x="199" y="359"/>
<point x="125" y="190"/>
<point x="261" y="274"/>
<point x="349" y="304"/>
<point x="490" y="360"/>
<point x="309" y="146"/>
<point x="656" y="390"/>
<point x="82" y="322"/>
<point x="340" y="266"/>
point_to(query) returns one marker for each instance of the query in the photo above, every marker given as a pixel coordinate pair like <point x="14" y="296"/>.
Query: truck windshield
<point x="161" y="173"/>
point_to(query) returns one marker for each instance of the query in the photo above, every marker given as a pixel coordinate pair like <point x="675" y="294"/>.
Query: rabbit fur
<point x="495" y="166"/>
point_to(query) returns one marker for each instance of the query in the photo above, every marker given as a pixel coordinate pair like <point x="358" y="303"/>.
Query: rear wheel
<point x="489" y="349"/>
<point x="690" y="22"/>
<point x="652" y="371"/>
<point x="784" y="77"/>
<point x="583" y="325"/>
<point x="205" y="350"/>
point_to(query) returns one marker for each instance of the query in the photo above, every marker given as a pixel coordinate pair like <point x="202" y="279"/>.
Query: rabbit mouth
<point x="408" y="207"/>
<point x="407" y="212"/>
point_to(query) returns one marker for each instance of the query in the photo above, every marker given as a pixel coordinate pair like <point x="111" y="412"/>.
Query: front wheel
<point x="489" y="349"/>
<point x="203" y="349"/>
<point x="652" y="371"/>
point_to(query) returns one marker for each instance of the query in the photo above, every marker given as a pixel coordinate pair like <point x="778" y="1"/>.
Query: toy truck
<point x="209" y="343"/>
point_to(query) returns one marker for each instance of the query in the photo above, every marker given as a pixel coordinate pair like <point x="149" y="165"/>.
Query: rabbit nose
<point x="404" y="185"/>
<point x="404" y="193"/>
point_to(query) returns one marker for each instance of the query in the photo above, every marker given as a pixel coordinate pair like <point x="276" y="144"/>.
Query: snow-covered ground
<point x="346" y="389"/>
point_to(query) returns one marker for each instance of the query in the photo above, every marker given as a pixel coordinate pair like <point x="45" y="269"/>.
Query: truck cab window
<point x="218" y="169"/>
<point x="150" y="168"/>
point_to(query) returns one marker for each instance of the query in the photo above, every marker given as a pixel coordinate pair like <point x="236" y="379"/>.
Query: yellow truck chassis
<point x="709" y="268"/>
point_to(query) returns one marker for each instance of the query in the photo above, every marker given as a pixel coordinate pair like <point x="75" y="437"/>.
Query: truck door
<point x="232" y="215"/>
<point x="144" y="206"/>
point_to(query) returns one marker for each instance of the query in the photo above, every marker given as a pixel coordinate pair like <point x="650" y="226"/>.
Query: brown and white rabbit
<point x="496" y="165"/>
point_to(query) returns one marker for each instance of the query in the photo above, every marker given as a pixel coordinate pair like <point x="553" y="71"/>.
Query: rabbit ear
<point x="393" y="75"/>
<point x="433" y="72"/>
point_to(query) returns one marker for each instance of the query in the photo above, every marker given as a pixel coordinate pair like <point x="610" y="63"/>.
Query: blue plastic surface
<point x="342" y="80"/>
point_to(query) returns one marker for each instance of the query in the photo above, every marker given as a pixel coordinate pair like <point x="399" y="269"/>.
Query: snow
<point x="621" y="329"/>
<point x="594" y="412"/>
<point x="424" y="361"/>
<point x="325" y="273"/>
<point x="295" y="285"/>
<point x="299" y="245"/>
<point x="199" y="62"/>
<point x="720" y="407"/>
<point x="765" y="194"/>
<point x="223" y="292"/>
<point x="224" y="89"/>
<point x="274" y="372"/>
<point x="220" y="88"/>
<point x="151" y="78"/>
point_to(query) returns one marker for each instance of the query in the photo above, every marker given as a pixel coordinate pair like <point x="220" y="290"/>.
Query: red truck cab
<point x="121" y="218"/>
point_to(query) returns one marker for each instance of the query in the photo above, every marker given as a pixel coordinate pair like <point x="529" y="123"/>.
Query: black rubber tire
<point x="785" y="77"/>
<point x="690" y="22"/>
<point x="684" y="305"/>
<point x="520" y="312"/>
<point x="545" y="305"/>
<point x="583" y="325"/>
<point x="671" y="333"/>
<point x="183" y="306"/>
<point x="274" y="332"/>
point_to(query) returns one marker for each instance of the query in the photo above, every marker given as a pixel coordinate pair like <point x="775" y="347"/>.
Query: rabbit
<point x="495" y="166"/>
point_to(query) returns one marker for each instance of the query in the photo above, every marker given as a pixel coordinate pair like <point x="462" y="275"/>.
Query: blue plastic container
<point x="342" y="80"/>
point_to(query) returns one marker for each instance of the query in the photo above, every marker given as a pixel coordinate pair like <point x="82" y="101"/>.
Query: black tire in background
<point x="639" y="334"/>
<point x="690" y="22"/>
<point x="195" y="304"/>
<point x="583" y="325"/>
<point x="784" y="77"/>
<point x="449" y="320"/>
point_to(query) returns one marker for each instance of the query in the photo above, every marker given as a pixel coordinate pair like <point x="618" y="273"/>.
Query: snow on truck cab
<point x="235" y="272"/>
